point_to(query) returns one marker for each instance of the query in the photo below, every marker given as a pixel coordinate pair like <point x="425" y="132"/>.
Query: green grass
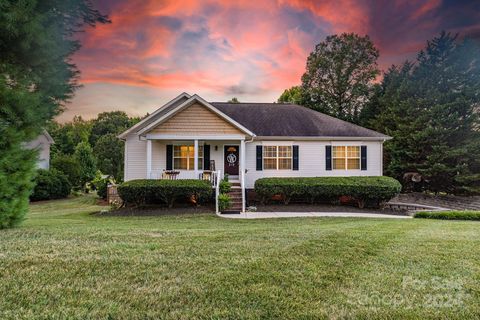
<point x="449" y="215"/>
<point x="65" y="263"/>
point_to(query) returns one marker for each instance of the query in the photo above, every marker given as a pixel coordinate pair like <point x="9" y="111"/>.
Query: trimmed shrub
<point x="224" y="202"/>
<point x="449" y="215"/>
<point x="144" y="191"/>
<point x="225" y="186"/>
<point x="370" y="191"/>
<point x="50" y="184"/>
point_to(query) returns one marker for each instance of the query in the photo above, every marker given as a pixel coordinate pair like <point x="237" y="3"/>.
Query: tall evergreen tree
<point x="36" y="78"/>
<point x="431" y="110"/>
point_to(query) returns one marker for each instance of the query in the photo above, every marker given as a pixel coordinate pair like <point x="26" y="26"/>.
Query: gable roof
<point x="167" y="114"/>
<point x="169" y="106"/>
<point x="278" y="119"/>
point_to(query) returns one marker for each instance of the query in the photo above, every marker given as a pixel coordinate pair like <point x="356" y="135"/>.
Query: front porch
<point x="197" y="157"/>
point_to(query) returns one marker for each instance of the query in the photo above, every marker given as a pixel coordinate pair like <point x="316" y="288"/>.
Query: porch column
<point x="149" y="159"/>
<point x="242" y="171"/>
<point x="195" y="157"/>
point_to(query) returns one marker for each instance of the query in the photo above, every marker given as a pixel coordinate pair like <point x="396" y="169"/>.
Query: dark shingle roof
<point x="278" y="119"/>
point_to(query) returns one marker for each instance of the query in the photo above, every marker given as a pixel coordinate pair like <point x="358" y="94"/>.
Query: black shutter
<point x="328" y="157"/>
<point x="206" y="157"/>
<point x="295" y="157"/>
<point x="259" y="158"/>
<point x="169" y="157"/>
<point x="363" y="157"/>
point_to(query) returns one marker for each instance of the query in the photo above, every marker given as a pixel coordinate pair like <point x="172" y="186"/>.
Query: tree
<point x="233" y="100"/>
<point x="67" y="136"/>
<point x="86" y="159"/>
<point x="431" y="110"/>
<point x="114" y="122"/>
<point x="69" y="166"/>
<point x="339" y="76"/>
<point x="36" y="78"/>
<point x="292" y="95"/>
<point x="109" y="151"/>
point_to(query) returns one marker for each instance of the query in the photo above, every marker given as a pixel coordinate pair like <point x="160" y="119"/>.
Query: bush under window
<point x="50" y="184"/>
<point x="145" y="191"/>
<point x="369" y="191"/>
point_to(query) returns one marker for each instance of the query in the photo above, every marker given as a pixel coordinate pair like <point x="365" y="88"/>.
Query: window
<point x="183" y="157"/>
<point x="346" y="157"/>
<point x="277" y="157"/>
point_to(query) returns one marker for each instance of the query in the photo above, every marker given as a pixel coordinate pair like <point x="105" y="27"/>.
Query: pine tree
<point x="429" y="109"/>
<point x="36" y="78"/>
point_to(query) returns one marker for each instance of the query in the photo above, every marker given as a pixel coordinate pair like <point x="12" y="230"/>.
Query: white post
<point x="242" y="171"/>
<point x="149" y="159"/>
<point x="195" y="158"/>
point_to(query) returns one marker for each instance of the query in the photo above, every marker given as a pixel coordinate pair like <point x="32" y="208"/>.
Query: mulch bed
<point x="158" y="211"/>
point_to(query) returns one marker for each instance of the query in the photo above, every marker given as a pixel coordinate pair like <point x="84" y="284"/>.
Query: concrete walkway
<point x="264" y="215"/>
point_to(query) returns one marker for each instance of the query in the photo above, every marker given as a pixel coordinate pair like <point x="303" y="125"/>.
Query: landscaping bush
<point x="50" y="184"/>
<point x="223" y="202"/>
<point x="225" y="186"/>
<point x="101" y="182"/>
<point x="449" y="215"/>
<point x="141" y="192"/>
<point x="370" y="191"/>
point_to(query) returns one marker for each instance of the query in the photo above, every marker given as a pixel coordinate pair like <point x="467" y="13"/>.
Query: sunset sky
<point x="153" y="50"/>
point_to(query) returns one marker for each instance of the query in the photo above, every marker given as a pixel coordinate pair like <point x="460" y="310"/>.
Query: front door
<point x="231" y="163"/>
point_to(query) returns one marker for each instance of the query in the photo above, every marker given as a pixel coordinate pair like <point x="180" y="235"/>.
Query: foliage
<point x="233" y="100"/>
<point x="449" y="215"/>
<point x="50" y="184"/>
<point x="339" y="76"/>
<point x="292" y="95"/>
<point x="101" y="182"/>
<point x="69" y="166"/>
<point x="68" y="135"/>
<point x="36" y="78"/>
<point x="224" y="202"/>
<point x="225" y="186"/>
<point x="144" y="191"/>
<point x="431" y="110"/>
<point x="84" y="155"/>
<point x="366" y="190"/>
<point x="109" y="152"/>
<point x="109" y="123"/>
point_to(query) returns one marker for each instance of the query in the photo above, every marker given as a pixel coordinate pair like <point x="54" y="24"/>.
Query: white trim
<point x="318" y="138"/>
<point x="157" y="136"/>
<point x="242" y="171"/>
<point x="124" y="134"/>
<point x="195" y="157"/>
<point x="149" y="159"/>
<point x="189" y="102"/>
<point x="48" y="136"/>
<point x="277" y="157"/>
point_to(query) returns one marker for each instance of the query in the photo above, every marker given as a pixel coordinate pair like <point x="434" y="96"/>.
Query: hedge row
<point x="449" y="215"/>
<point x="369" y="191"/>
<point x="141" y="192"/>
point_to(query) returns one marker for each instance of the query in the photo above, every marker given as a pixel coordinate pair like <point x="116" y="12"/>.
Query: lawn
<point x="64" y="262"/>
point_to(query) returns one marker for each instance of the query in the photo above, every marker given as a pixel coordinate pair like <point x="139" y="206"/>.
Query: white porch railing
<point x="216" y="185"/>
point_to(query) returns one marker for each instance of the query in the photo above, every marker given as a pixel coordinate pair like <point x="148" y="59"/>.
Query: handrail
<point x="217" y="179"/>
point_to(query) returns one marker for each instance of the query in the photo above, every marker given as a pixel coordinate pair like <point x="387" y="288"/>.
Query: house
<point x="188" y="136"/>
<point x="42" y="143"/>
